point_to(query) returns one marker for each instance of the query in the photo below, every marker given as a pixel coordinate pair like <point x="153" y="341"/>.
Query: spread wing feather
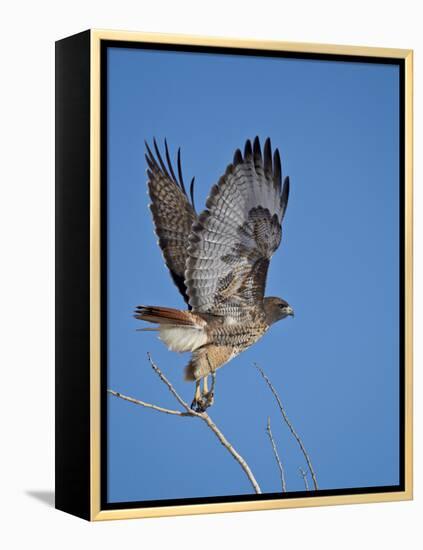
<point x="233" y="240"/>
<point x="173" y="212"/>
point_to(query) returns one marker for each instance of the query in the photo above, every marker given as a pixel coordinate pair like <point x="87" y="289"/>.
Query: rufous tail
<point x="164" y="316"/>
<point x="179" y="330"/>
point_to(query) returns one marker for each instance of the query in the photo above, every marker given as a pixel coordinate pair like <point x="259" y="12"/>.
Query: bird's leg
<point x="213" y="375"/>
<point x="196" y="402"/>
<point x="199" y="403"/>
<point x="203" y="399"/>
<point x="208" y="395"/>
<point x="197" y="395"/>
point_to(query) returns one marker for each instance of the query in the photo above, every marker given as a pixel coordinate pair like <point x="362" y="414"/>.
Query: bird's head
<point x="276" y="309"/>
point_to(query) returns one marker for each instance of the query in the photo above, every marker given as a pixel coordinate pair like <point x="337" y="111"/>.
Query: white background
<point x="27" y="36"/>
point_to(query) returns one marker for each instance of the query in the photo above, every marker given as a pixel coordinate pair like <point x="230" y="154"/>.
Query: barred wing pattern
<point x="173" y="212"/>
<point x="234" y="238"/>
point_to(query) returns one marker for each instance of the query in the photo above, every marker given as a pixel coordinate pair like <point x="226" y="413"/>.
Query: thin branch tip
<point x="289" y="424"/>
<point x="276" y="455"/>
<point x="304" y="476"/>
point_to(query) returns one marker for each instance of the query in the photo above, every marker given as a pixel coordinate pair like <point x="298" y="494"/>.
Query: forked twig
<point x="188" y="412"/>
<point x="289" y="424"/>
<point x="304" y="476"/>
<point x="277" y="458"/>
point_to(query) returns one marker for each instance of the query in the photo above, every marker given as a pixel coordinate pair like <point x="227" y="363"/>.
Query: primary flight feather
<point x="219" y="259"/>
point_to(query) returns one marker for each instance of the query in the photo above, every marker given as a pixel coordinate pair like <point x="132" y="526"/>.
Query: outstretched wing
<point x="173" y="212"/>
<point x="234" y="238"/>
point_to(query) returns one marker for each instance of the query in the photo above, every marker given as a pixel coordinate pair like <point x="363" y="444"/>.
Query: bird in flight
<point x="218" y="259"/>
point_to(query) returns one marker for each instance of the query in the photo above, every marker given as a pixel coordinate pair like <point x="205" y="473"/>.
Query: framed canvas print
<point x="233" y="275"/>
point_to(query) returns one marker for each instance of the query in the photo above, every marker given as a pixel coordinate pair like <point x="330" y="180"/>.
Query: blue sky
<point x="335" y="364"/>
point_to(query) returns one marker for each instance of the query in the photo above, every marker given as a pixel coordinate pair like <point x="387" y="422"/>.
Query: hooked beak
<point x="290" y="311"/>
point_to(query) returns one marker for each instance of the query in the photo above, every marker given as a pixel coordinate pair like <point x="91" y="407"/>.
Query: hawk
<point x="218" y="259"/>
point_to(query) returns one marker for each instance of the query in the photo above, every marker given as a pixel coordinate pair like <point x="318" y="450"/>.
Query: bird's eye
<point x="281" y="306"/>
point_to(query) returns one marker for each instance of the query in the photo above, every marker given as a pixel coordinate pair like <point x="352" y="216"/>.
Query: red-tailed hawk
<point x="219" y="259"/>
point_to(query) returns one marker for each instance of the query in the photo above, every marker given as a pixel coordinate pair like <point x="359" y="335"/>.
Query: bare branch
<point x="290" y="426"/>
<point x="190" y="413"/>
<point x="304" y="476"/>
<point x="206" y="418"/>
<point x="148" y="405"/>
<point x="170" y="387"/>
<point x="275" y="452"/>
